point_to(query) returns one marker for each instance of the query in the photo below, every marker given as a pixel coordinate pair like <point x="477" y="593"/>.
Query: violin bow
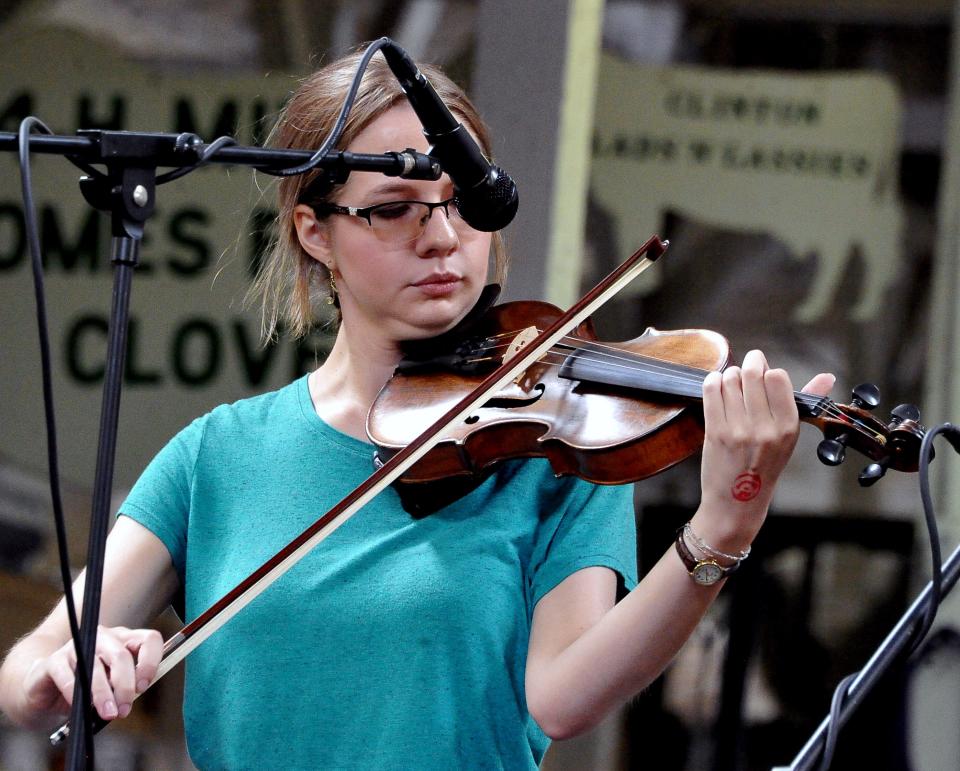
<point x="181" y="644"/>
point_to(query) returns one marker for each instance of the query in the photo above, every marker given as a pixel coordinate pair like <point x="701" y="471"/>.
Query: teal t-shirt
<point x="397" y="643"/>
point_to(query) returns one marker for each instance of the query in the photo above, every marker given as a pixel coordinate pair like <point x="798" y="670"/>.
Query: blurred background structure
<point x="801" y="156"/>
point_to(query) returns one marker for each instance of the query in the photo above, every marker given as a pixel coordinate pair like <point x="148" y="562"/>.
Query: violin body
<point x="606" y="432"/>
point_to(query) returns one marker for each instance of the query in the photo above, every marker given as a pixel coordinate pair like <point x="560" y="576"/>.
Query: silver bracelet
<point x="707" y="549"/>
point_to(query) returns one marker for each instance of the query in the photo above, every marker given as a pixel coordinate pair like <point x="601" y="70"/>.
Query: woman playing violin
<point x="465" y="639"/>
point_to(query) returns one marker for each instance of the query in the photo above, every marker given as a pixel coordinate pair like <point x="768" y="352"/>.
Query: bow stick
<point x="187" y="639"/>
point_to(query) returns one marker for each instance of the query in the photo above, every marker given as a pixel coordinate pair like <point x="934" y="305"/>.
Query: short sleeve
<point x="592" y="525"/>
<point x="160" y="498"/>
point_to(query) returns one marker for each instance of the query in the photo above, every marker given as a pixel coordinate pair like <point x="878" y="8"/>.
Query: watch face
<point x="707" y="573"/>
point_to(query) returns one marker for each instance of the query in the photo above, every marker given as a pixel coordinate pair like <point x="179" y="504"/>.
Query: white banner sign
<point x="191" y="345"/>
<point x="808" y="159"/>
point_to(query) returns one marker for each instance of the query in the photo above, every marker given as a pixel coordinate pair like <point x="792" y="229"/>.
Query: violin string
<point x="810" y="400"/>
<point x="695" y="375"/>
<point x="632" y="361"/>
<point x="678" y="373"/>
<point x="825" y="405"/>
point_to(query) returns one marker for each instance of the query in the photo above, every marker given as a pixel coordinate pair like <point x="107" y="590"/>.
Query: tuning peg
<point x="866" y="396"/>
<point x="872" y="473"/>
<point x="832" y="451"/>
<point x="904" y="412"/>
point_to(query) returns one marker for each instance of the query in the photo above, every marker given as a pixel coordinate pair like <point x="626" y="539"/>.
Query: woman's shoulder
<point x="259" y="405"/>
<point x="270" y="408"/>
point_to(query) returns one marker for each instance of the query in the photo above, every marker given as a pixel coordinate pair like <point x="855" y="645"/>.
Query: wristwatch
<point x="705" y="572"/>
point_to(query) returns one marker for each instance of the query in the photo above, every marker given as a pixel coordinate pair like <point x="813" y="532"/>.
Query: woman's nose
<point x="438" y="235"/>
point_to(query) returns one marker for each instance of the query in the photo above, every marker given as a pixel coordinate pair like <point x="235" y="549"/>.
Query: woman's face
<point x="408" y="290"/>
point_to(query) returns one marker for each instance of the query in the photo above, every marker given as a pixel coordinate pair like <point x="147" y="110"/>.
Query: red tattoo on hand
<point x="746" y="486"/>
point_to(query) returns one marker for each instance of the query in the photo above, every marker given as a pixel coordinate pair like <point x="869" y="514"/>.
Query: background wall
<point x="585" y="100"/>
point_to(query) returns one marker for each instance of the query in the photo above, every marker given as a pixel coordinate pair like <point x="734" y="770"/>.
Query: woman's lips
<point x="439" y="285"/>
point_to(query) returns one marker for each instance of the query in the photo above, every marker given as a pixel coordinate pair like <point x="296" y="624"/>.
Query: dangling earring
<point x="332" y="296"/>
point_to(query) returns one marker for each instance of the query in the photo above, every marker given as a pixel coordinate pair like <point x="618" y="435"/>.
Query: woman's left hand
<point x="751" y="424"/>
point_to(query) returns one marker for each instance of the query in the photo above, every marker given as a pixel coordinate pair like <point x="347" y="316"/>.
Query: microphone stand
<point x="127" y="191"/>
<point x="886" y="655"/>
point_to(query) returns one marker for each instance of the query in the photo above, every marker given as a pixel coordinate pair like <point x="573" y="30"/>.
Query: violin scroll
<point x="894" y="444"/>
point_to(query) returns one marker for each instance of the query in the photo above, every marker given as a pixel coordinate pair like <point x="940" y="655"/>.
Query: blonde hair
<point x="290" y="285"/>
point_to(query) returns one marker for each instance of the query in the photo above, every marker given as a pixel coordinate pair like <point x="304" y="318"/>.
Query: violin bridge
<point x="518" y="343"/>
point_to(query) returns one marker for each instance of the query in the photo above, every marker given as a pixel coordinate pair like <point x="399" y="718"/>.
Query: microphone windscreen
<point x="492" y="204"/>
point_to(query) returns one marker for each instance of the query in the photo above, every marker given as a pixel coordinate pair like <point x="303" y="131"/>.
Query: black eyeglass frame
<point x="324" y="207"/>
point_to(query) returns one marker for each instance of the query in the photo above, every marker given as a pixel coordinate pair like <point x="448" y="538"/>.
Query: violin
<point x="607" y="412"/>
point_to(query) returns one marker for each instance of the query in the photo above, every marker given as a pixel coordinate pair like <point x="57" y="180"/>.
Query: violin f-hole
<point x="511" y="399"/>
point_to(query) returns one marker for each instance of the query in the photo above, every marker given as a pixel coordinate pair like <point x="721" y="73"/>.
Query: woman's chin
<point x="436" y="318"/>
<point x="414" y="316"/>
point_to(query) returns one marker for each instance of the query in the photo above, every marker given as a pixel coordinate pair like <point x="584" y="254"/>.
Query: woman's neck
<point x="344" y="387"/>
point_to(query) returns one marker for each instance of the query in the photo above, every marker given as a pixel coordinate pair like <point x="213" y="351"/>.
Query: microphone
<point x="487" y="196"/>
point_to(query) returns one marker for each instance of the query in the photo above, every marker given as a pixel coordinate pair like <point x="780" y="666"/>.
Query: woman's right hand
<point x="139" y="581"/>
<point x="125" y="664"/>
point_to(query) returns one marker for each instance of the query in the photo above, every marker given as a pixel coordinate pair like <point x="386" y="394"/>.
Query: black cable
<point x="332" y="138"/>
<point x="33" y="240"/>
<point x="34" y="245"/>
<point x="86" y="167"/>
<point x="936" y="581"/>
<point x="214" y="147"/>
<point x="830" y="742"/>
<point x="208" y="152"/>
<point x="936" y="586"/>
<point x="337" y="130"/>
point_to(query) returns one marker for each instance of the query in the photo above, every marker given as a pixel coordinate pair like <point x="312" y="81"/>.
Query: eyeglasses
<point x="396" y="222"/>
